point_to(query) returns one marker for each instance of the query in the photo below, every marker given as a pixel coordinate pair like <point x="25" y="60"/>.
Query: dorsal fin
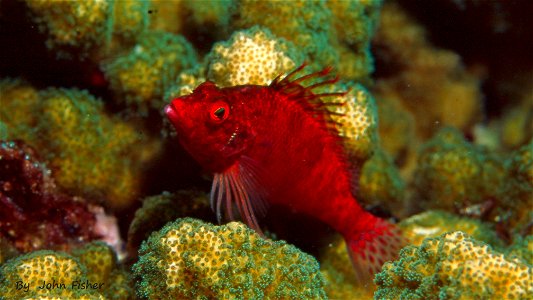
<point x="305" y="96"/>
<point x="317" y="105"/>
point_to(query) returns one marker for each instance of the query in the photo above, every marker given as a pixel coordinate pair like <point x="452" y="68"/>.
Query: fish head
<point x="210" y="126"/>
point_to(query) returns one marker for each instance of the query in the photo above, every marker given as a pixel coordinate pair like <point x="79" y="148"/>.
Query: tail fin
<point x="369" y="250"/>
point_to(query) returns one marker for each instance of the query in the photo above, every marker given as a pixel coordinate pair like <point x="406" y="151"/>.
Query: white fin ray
<point x="241" y="186"/>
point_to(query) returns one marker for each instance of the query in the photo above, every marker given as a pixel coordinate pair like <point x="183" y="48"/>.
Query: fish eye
<point x="219" y="112"/>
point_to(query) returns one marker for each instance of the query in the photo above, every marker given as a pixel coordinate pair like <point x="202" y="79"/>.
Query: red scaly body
<point x="272" y="144"/>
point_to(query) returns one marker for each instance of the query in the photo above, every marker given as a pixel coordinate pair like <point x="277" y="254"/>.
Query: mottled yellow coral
<point x="431" y="83"/>
<point x="158" y="210"/>
<point x="397" y="132"/>
<point x="354" y="22"/>
<point x="71" y="25"/>
<point x="434" y="223"/>
<point x="454" y="266"/>
<point x="93" y="153"/>
<point x="252" y="56"/>
<point x="516" y="191"/>
<point x="18" y="100"/>
<point x="130" y="18"/>
<point x="99" y="259"/>
<point x="189" y="259"/>
<point x="140" y="77"/>
<point x="380" y="184"/>
<point x="46" y="266"/>
<point x="307" y="24"/>
<point x="339" y="273"/>
<point x="356" y="120"/>
<point x="449" y="172"/>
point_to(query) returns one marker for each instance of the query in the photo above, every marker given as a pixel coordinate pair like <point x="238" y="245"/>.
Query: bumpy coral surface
<point x="252" y="56"/>
<point x="89" y="273"/>
<point x="397" y="135"/>
<point x="314" y="28"/>
<point x="431" y="82"/>
<point x="516" y="192"/>
<point x="189" y="259"/>
<point x="92" y="154"/>
<point x="141" y="76"/>
<point x="381" y="184"/>
<point x="356" y="120"/>
<point x="454" y="266"/>
<point x="18" y="100"/>
<point x="158" y="210"/>
<point x="83" y="30"/>
<point x="339" y="273"/>
<point x="34" y="214"/>
<point x="434" y="223"/>
<point x="450" y="172"/>
<point x="45" y="267"/>
<point x="455" y="175"/>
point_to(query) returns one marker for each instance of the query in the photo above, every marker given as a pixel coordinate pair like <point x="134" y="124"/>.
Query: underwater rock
<point x="189" y="259"/>
<point x="454" y="266"/>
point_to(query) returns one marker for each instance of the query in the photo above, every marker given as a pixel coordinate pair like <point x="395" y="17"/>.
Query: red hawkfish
<point x="275" y="145"/>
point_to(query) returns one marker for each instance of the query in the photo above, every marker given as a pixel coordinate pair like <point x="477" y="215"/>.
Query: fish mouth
<point x="171" y="113"/>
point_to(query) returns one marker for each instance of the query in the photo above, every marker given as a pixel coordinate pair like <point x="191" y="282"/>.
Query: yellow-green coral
<point x="356" y="120"/>
<point x="306" y="24"/>
<point x="434" y="223"/>
<point x="189" y="259"/>
<point x="252" y="56"/>
<point x="515" y="194"/>
<point x="397" y="132"/>
<point x="48" y="266"/>
<point x="130" y="18"/>
<point x="431" y="82"/>
<point x="455" y="175"/>
<point x="158" y="210"/>
<point x="449" y="172"/>
<point x="353" y="45"/>
<point x="79" y="28"/>
<point x="18" y="114"/>
<point x="454" y="266"/>
<point x="141" y="76"/>
<point x="319" y="30"/>
<point x="94" y="265"/>
<point x="522" y="247"/>
<point x="192" y="17"/>
<point x="93" y="153"/>
<point x="339" y="273"/>
<point x="381" y="184"/>
<point x="101" y="264"/>
<point x="72" y="24"/>
<point x="99" y="259"/>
